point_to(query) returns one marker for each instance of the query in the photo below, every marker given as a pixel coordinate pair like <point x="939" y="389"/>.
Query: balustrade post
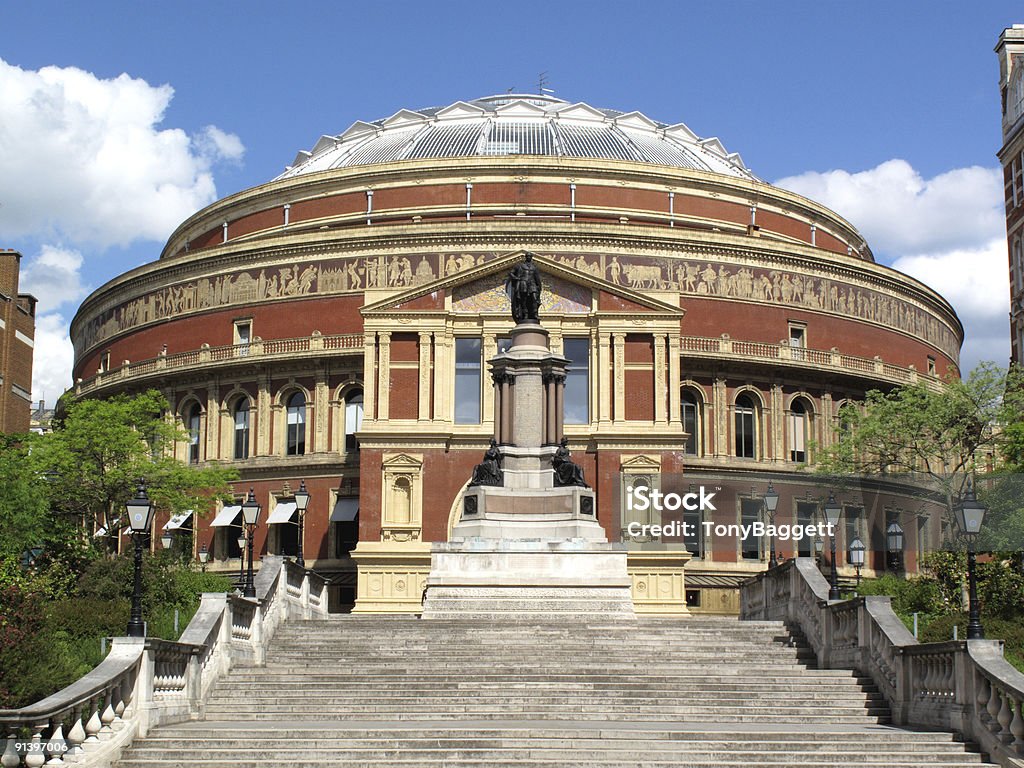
<point x="36" y="757"/>
<point x="304" y="597"/>
<point x="256" y="634"/>
<point x="194" y="687"/>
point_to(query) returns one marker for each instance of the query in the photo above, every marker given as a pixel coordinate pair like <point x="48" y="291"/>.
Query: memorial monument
<point x="528" y="541"/>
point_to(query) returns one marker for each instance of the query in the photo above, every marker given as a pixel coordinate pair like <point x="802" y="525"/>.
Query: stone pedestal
<point x="528" y="548"/>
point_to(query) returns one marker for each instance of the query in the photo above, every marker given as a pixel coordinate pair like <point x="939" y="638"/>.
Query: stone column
<point x="660" y="383"/>
<point x="604" y="365"/>
<point x="824" y="428"/>
<point x="369" y="375"/>
<point x="423" y="413"/>
<point x="263" y="417"/>
<point x="321" y="412"/>
<point x="550" y="410"/>
<point x="559" y="379"/>
<point x="529" y="399"/>
<point x="506" y="407"/>
<point x="721" y="417"/>
<point x="675" y="415"/>
<point x="443" y="372"/>
<point x="496" y="377"/>
<point x="384" y="375"/>
<point x="776" y="417"/>
<point x="619" y="391"/>
<point x="489" y="347"/>
<point x="212" y="421"/>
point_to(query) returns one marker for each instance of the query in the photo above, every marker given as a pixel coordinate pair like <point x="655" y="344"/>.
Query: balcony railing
<point x="256" y="350"/>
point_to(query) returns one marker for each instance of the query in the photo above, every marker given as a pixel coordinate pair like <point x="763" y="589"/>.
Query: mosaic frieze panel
<point x="489" y="295"/>
<point x="690" y="277"/>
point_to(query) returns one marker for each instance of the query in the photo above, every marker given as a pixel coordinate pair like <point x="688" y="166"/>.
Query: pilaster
<point x="263" y="418"/>
<point x="425" y="348"/>
<point x="619" y="387"/>
<point x="369" y="375"/>
<point x="320" y="411"/>
<point x="675" y="415"/>
<point x="660" y="382"/>
<point x="604" y="389"/>
<point x="384" y="375"/>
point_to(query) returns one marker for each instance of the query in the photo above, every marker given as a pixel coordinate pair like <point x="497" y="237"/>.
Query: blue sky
<point x="887" y="112"/>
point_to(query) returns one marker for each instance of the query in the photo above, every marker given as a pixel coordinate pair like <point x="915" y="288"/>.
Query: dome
<point x="518" y="124"/>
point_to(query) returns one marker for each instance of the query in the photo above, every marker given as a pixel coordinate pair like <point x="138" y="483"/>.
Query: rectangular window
<point x="750" y="513"/>
<point x="467" y="381"/>
<point x="744" y="431"/>
<point x="806" y="511"/>
<point x="797" y="422"/>
<point x="922" y="539"/>
<point x="853" y="517"/>
<point x="694" y="541"/>
<point x="242" y="430"/>
<point x="931" y="365"/>
<point x="797" y="340"/>
<point x="577" y="381"/>
<point x="689" y="405"/>
<point x="243" y="337"/>
<point x="105" y="362"/>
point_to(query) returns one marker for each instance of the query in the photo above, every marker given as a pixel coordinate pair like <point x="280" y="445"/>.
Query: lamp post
<point x="970" y="514"/>
<point x="832" y="512"/>
<point x="857" y="556"/>
<point x="251" y="516"/>
<point x="771" y="503"/>
<point x="301" y="502"/>
<point x="894" y="545"/>
<point x="204" y="556"/>
<point x="241" y="559"/>
<point x="140" y="519"/>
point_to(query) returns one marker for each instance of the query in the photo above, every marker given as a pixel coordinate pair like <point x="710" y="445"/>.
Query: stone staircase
<point x="393" y="691"/>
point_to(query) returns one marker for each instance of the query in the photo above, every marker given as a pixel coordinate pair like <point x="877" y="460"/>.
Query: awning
<point x="101" y="531"/>
<point x="178" y="520"/>
<point x="282" y="513"/>
<point x="345" y="510"/>
<point x="227" y="516"/>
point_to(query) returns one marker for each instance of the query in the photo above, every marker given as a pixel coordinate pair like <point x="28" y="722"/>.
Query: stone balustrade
<point x="963" y="686"/>
<point x="144" y="682"/>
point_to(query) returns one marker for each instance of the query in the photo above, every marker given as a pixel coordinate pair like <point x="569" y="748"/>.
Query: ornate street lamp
<point x="771" y="503"/>
<point x="833" y="510"/>
<point x="970" y="514"/>
<point x="819" y="545"/>
<point x="301" y="502"/>
<point x="167" y="540"/>
<point x="894" y="546"/>
<point x="204" y="556"/>
<point x="857" y="556"/>
<point x="251" y="517"/>
<point x="140" y="520"/>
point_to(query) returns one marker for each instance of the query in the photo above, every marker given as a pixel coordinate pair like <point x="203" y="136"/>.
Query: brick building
<point x="17" y="339"/>
<point x="333" y="326"/>
<point x="1010" y="50"/>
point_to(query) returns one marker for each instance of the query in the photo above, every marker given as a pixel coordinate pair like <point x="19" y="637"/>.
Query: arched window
<point x="194" y="416"/>
<point x="353" y="418"/>
<point x="691" y="422"/>
<point x="746" y="424"/>
<point x="296" y="435"/>
<point x="242" y="413"/>
<point x="797" y="430"/>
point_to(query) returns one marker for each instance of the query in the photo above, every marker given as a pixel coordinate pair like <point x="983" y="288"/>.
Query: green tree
<point x="936" y="434"/>
<point x="24" y="501"/>
<point x="101" y="447"/>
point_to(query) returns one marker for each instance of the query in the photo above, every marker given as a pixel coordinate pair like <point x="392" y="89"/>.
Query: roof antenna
<point x="542" y="80"/>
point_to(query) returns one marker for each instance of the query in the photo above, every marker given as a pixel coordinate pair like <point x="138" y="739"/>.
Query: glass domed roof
<point x="518" y="124"/>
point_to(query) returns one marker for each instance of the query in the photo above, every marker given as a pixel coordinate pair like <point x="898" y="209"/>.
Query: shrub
<point x="1010" y="632"/>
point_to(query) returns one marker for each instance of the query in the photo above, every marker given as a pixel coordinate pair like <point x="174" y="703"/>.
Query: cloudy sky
<point x="118" y="120"/>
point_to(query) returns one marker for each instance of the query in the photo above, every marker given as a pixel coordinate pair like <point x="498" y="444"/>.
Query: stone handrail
<point x="257" y="349"/>
<point x="784" y="354"/>
<point x="144" y="682"/>
<point x="964" y="686"/>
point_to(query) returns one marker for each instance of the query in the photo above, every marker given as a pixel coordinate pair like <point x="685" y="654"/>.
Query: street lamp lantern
<point x="204" y="556"/>
<point x="833" y="510"/>
<point x="301" y="502"/>
<point x="771" y="503"/>
<point x="970" y="514"/>
<point x="857" y="556"/>
<point x="819" y="545"/>
<point x="140" y="521"/>
<point x="251" y="516"/>
<point x="167" y="540"/>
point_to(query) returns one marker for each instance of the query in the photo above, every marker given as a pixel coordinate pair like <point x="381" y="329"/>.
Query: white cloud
<point x="947" y="231"/>
<point x="51" y="364"/>
<point x="900" y="212"/>
<point x="53" y="277"/>
<point x="976" y="282"/>
<point x="82" y="159"/>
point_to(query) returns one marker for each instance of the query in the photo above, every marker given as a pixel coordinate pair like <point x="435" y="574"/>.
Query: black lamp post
<point x="241" y="559"/>
<point x="140" y="520"/>
<point x="970" y="514"/>
<point x="833" y="510"/>
<point x="894" y="545"/>
<point x="204" y="556"/>
<point x="771" y="503"/>
<point x="301" y="502"/>
<point x="251" y="517"/>
<point x="857" y="556"/>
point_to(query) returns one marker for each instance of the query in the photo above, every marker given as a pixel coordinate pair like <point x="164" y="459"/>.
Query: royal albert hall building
<point x="333" y="326"/>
